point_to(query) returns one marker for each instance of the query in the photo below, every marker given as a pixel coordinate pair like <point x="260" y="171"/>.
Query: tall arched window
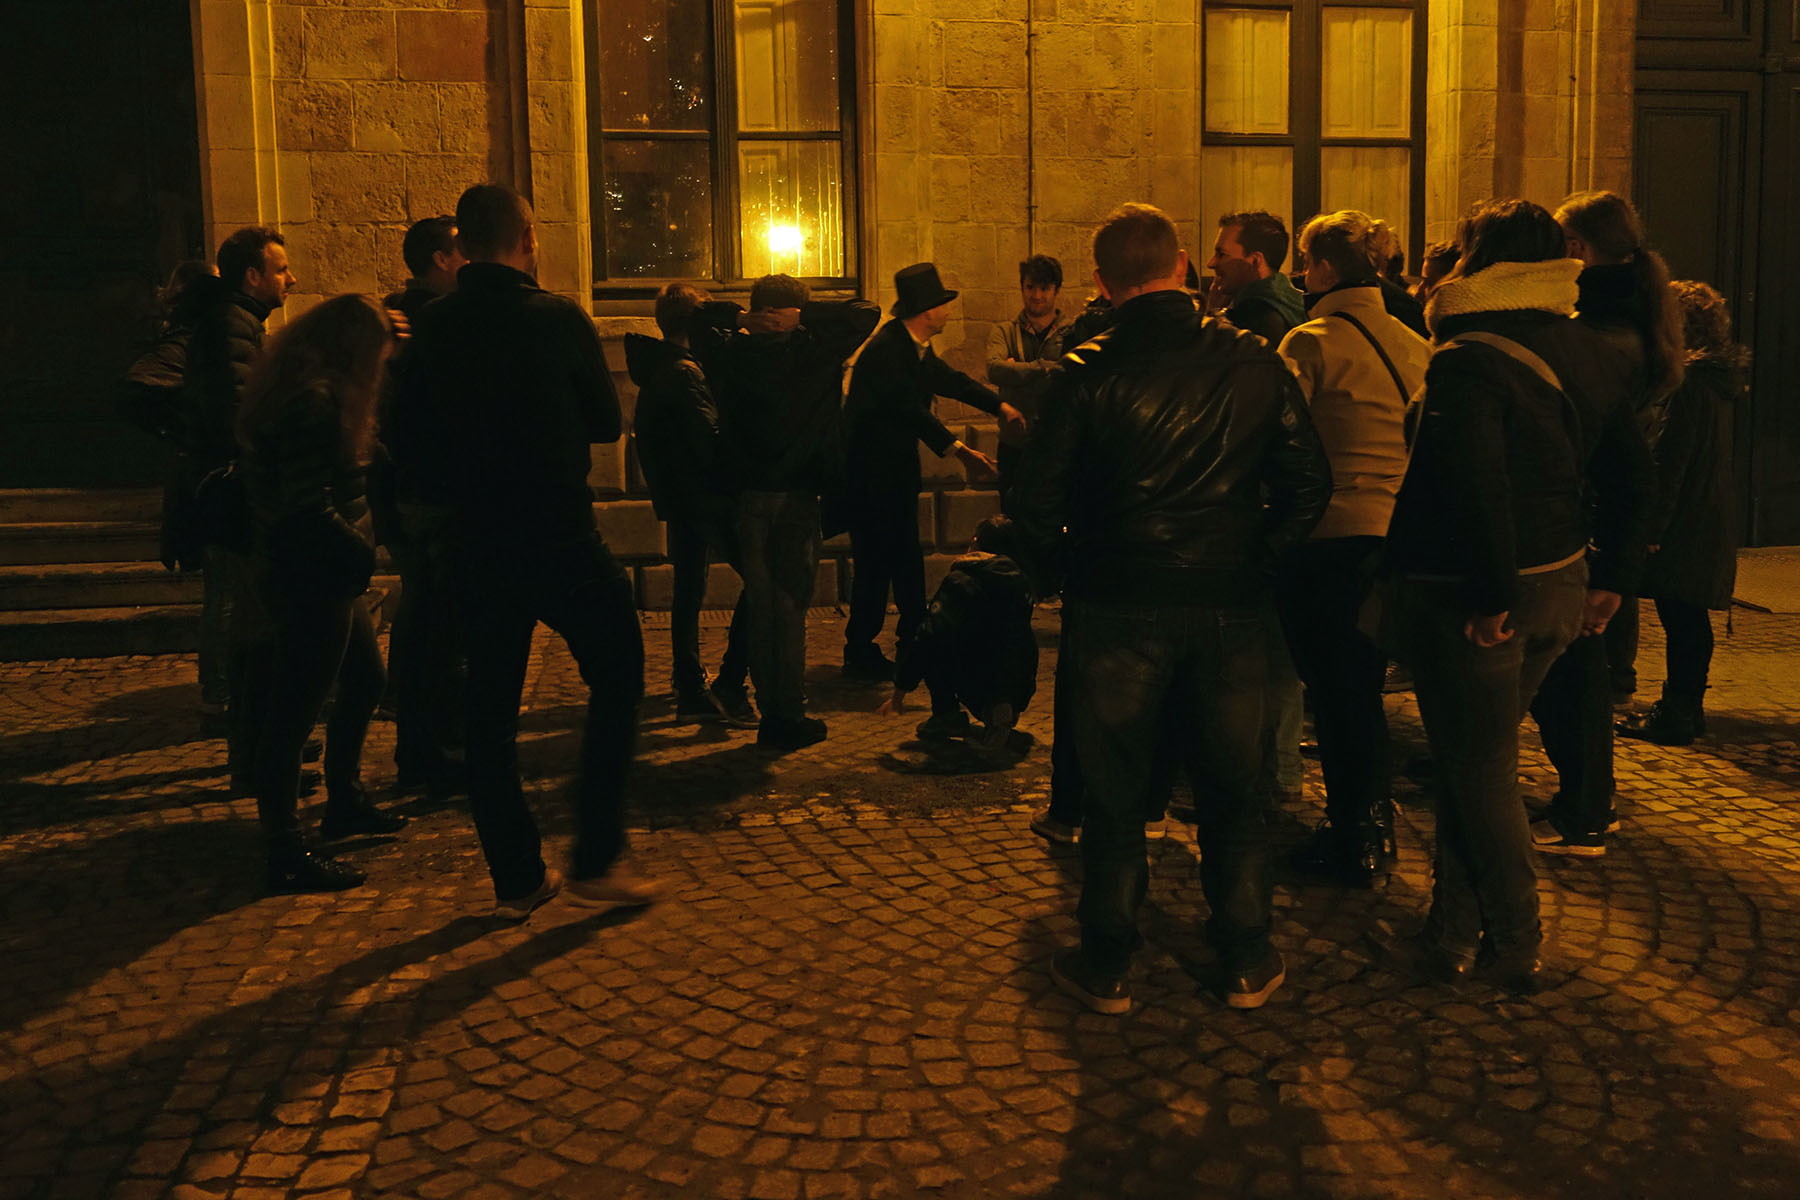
<point x="1316" y="105"/>
<point x="721" y="141"/>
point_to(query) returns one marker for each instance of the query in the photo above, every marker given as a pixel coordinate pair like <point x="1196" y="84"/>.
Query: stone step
<point x="99" y="632"/>
<point x="38" y="543"/>
<point x="94" y="585"/>
<point x="37" y="505"/>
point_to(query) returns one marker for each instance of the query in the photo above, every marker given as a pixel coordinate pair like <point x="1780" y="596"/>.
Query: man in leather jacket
<point x="1178" y="455"/>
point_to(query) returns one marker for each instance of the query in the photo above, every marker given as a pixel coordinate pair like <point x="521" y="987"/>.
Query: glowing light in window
<point x="785" y="239"/>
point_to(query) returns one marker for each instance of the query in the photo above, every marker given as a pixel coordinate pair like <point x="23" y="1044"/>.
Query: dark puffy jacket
<point x="780" y="395"/>
<point x="227" y="339"/>
<point x="676" y="427"/>
<point x="306" y="494"/>
<point x="976" y="636"/>
<point x="1501" y="462"/>
<point x="505" y="387"/>
<point x="1178" y="453"/>
<point x="1693" y="519"/>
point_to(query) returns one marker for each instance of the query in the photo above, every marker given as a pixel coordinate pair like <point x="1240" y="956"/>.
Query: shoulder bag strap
<point x="1393" y="371"/>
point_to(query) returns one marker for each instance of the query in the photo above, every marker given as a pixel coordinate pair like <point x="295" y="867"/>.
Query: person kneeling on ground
<point x="975" y="648"/>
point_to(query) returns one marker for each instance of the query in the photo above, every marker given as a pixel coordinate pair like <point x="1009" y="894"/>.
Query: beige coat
<point x="1359" y="413"/>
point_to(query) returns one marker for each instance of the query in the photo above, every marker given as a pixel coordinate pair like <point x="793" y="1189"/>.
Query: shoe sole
<point x="581" y="900"/>
<point x="1060" y="838"/>
<point x="1258" y="998"/>
<point x="1099" y="1004"/>
<point x="1571" y="851"/>
<point x="521" y="910"/>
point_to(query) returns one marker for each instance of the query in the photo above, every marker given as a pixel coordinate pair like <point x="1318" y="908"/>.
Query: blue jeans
<point x="1127" y="666"/>
<point x="1472" y="699"/>
<point x="778" y="546"/>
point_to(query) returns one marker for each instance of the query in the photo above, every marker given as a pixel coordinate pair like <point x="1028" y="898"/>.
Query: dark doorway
<point x="1718" y="109"/>
<point x="100" y="136"/>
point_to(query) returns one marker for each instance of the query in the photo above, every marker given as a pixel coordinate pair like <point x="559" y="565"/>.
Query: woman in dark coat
<point x="1693" y="523"/>
<point x="305" y="431"/>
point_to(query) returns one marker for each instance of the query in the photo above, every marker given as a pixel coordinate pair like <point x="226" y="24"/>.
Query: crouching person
<point x="975" y="648"/>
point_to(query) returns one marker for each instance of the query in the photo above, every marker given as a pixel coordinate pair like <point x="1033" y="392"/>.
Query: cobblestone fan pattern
<point x="845" y="994"/>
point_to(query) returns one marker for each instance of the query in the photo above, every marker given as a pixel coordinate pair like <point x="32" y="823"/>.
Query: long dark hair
<point x="338" y="345"/>
<point x="1498" y="231"/>
<point x="1608" y="223"/>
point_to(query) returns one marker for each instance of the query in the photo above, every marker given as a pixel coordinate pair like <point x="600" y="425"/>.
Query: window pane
<point x="787" y="64"/>
<point x="793" y="208"/>
<point x="658" y="206"/>
<point x="1241" y="178"/>
<point x="1246" y="71"/>
<point x="1368" y="72"/>
<point x="655" y="64"/>
<point x="1374" y="179"/>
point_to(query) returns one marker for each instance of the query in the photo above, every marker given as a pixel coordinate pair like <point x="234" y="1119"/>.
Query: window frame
<point x="1305" y="137"/>
<point x="722" y="140"/>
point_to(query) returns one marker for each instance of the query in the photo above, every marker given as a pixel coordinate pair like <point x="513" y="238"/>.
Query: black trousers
<point x="1574" y="716"/>
<point x="315" y="641"/>
<point x="1319" y="593"/>
<point x="692" y="544"/>
<point x="885" y="552"/>
<point x="1688" y="628"/>
<point x="425" y="654"/>
<point x="577" y="589"/>
<point x="1621" y="638"/>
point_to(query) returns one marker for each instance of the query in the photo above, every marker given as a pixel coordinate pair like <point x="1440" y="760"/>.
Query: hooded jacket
<point x="676" y="428"/>
<point x="1178" y="453"/>
<point x="1502" y="463"/>
<point x="976" y="636"/>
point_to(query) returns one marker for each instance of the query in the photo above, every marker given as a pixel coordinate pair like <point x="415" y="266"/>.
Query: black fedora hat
<point x="919" y="289"/>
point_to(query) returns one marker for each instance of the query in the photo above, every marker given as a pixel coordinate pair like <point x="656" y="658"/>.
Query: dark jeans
<point x="315" y="641"/>
<point x="1472" y="699"/>
<point x="425" y="655"/>
<point x="577" y="589"/>
<point x="1127" y="664"/>
<point x="778" y="540"/>
<point x="884" y="550"/>
<point x="691" y="547"/>
<point x="1574" y="716"/>
<point x="1068" y="791"/>
<point x="223" y="580"/>
<point x="1320" y="591"/>
<point x="1688" y="629"/>
<point x="1621" y="638"/>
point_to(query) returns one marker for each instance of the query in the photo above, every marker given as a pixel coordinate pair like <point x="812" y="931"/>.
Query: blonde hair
<point x="1347" y="241"/>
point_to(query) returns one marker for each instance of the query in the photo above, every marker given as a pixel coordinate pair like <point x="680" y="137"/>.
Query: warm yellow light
<point x="785" y="239"/>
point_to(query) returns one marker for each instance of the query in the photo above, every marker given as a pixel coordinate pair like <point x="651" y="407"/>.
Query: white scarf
<point x="1507" y="287"/>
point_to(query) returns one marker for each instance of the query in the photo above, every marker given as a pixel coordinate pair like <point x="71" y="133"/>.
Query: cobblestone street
<point x="846" y="992"/>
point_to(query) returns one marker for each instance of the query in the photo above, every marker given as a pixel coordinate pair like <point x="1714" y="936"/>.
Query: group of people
<point x="1273" y="482"/>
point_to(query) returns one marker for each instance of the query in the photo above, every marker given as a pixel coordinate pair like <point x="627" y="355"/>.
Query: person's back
<point x="1171" y="425"/>
<point x="517" y="388"/>
<point x="675" y="425"/>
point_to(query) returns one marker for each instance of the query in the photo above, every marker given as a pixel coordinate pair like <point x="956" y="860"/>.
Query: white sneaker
<point x="621" y="886"/>
<point x="524" y="906"/>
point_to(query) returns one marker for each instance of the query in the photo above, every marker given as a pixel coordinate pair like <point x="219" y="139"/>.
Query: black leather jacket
<point x="1178" y="453"/>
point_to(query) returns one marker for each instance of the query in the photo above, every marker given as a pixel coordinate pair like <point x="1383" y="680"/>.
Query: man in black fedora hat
<point x="887" y="415"/>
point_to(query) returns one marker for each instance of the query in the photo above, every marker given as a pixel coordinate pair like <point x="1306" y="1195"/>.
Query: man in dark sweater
<point x="425" y="654"/>
<point x="778" y="371"/>
<point x="887" y="416"/>
<point x="507" y="388"/>
<point x="676" y="428"/>
<point x="1178" y="455"/>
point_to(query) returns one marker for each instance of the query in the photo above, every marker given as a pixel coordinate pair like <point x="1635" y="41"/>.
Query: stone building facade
<point x="980" y="131"/>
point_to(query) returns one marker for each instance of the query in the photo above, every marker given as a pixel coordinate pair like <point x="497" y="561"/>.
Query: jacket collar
<point x="1056" y="323"/>
<point x="1356" y="298"/>
<point x="1156" y="306"/>
<point x="1279" y="291"/>
<point x="494" y="276"/>
<point x="1507" y="287"/>
<point x="253" y="306"/>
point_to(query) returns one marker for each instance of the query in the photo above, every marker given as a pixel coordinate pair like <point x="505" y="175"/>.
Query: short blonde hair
<point x="1346" y="241"/>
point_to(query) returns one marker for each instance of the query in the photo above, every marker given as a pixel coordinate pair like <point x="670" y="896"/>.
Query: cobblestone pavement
<point x="846" y="994"/>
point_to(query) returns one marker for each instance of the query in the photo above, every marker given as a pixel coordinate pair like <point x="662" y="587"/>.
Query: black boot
<point x="1664" y="723"/>
<point x="349" y="812"/>
<point x="298" y="869"/>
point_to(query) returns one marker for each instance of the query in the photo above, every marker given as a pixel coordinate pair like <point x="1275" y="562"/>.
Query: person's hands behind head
<point x="772" y="320"/>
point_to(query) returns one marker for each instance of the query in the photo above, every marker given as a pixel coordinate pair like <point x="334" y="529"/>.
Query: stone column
<point x="557" y="137"/>
<point x="239" y="174"/>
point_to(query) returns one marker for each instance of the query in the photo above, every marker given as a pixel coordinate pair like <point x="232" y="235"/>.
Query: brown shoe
<point x="620" y="886"/>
